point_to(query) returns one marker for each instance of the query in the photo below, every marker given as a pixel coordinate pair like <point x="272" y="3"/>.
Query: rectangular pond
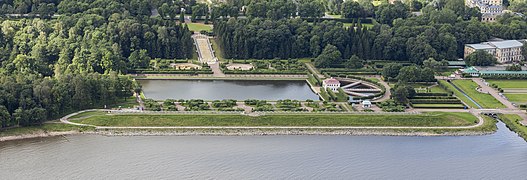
<point x="227" y="89"/>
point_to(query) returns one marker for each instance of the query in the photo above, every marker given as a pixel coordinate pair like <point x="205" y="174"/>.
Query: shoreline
<point x="38" y="135"/>
<point x="283" y="132"/>
<point x="247" y="132"/>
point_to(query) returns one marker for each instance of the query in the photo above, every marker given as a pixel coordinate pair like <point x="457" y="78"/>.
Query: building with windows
<point x="492" y="71"/>
<point x="490" y="9"/>
<point x="332" y="84"/>
<point x="505" y="51"/>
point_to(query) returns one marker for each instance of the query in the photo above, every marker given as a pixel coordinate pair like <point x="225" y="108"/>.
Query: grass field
<point x="485" y="100"/>
<point x="197" y="27"/>
<point x="513" y="122"/>
<point x="517" y="98"/>
<point x="459" y="95"/>
<point x="52" y="127"/>
<point x="423" y="120"/>
<point x="510" y="84"/>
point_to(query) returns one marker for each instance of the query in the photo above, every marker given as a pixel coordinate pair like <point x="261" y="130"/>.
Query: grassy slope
<point x="429" y="119"/>
<point x="217" y="49"/>
<point x="517" y="98"/>
<point x="510" y="84"/>
<point x="459" y="95"/>
<point x="55" y="127"/>
<point x="512" y="121"/>
<point x="485" y="100"/>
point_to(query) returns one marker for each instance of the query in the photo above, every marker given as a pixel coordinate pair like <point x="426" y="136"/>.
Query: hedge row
<point x="262" y="72"/>
<point x="345" y="70"/>
<point x="512" y="76"/>
<point x="435" y="101"/>
<point x="434" y="97"/>
<point x="432" y="94"/>
<point x="169" y="72"/>
<point x="437" y="107"/>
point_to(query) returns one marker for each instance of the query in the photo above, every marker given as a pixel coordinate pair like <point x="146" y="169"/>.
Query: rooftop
<point x="506" y="44"/>
<point x="331" y="81"/>
<point x="480" y="46"/>
<point x="503" y="72"/>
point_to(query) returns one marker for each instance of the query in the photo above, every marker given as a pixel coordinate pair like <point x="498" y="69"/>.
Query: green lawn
<point x="458" y="94"/>
<point x="217" y="49"/>
<point x="510" y="84"/>
<point x="52" y="127"/>
<point x="485" y="100"/>
<point x="197" y="27"/>
<point x="128" y="103"/>
<point x="517" y="98"/>
<point x="513" y="122"/>
<point x="423" y="120"/>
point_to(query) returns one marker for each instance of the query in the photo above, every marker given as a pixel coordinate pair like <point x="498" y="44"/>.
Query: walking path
<point x="313" y="69"/>
<point x="216" y="70"/>
<point x="507" y="103"/>
<point x="387" y="94"/>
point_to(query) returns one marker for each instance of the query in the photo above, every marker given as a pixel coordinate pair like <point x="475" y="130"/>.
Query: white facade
<point x="332" y="84"/>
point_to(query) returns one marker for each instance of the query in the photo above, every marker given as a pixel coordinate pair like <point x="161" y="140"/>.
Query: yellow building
<point x="505" y="51"/>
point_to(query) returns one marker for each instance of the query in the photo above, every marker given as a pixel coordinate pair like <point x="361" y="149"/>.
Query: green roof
<point x="503" y="72"/>
<point x="471" y="70"/>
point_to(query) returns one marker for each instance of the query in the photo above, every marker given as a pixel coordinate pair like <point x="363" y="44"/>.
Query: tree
<point x="416" y="5"/>
<point x="310" y="8"/>
<point x="514" y="67"/>
<point x="391" y="71"/>
<point x="433" y="64"/>
<point x="5" y="117"/>
<point x="400" y="94"/>
<point x="354" y="63"/>
<point x="329" y="56"/>
<point x="409" y="74"/>
<point x="480" y="58"/>
<point x="352" y="9"/>
<point x="314" y="43"/>
<point x="181" y="17"/>
<point x="387" y="13"/>
<point x="524" y="51"/>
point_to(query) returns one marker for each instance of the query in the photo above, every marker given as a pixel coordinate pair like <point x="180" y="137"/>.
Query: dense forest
<point x="439" y="33"/>
<point x="52" y="66"/>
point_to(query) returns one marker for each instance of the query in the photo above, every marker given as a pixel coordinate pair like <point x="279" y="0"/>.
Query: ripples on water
<point x="499" y="156"/>
<point x="227" y="89"/>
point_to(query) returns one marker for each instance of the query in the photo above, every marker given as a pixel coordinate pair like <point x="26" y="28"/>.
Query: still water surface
<point x="227" y="89"/>
<point x="498" y="156"/>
